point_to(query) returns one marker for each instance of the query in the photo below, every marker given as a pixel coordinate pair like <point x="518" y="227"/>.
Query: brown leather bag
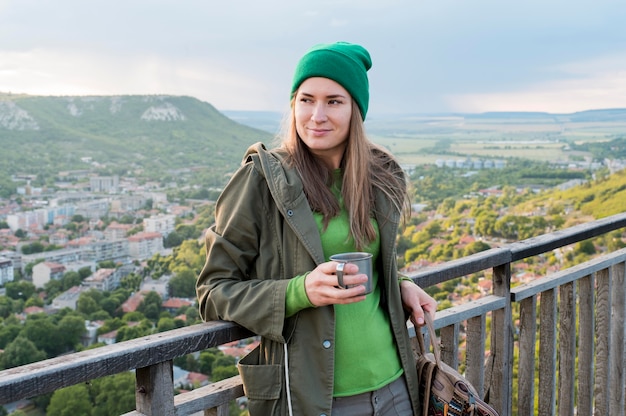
<point x="443" y="390"/>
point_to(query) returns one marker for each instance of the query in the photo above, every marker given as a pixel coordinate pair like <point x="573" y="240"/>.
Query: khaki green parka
<point x="265" y="234"/>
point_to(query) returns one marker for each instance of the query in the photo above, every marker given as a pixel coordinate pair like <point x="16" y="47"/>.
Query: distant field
<point x="414" y="140"/>
<point x="412" y="150"/>
<point x="417" y="139"/>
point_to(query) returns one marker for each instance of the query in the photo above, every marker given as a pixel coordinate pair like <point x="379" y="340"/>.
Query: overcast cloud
<point x="428" y="56"/>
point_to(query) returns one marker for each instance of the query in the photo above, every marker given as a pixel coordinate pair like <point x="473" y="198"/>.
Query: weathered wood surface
<point x="547" y="353"/>
<point x="617" y="354"/>
<point x="501" y="384"/>
<point x="567" y="349"/>
<point x="603" y="327"/>
<point x="548" y="242"/>
<point x="212" y="398"/>
<point x="450" y="345"/>
<point x="475" y="353"/>
<point x="461" y="267"/>
<point x="50" y="375"/>
<point x="586" y="344"/>
<point x="527" y="342"/>
<point x="600" y="382"/>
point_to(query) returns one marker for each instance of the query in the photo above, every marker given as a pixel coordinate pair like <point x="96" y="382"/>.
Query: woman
<point x="327" y="189"/>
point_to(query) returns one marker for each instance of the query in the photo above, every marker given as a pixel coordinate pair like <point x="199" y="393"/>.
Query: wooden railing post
<point x="526" y="372"/>
<point x="501" y="383"/>
<point x="547" y="352"/>
<point x="155" y="390"/>
<point x="567" y="349"/>
<point x="586" y="343"/>
<point x="617" y="353"/>
<point x="603" y="335"/>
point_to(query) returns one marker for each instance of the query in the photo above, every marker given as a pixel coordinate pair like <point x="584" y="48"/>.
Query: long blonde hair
<point x="366" y="167"/>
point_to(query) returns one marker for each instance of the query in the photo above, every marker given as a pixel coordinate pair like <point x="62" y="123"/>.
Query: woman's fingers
<point x="322" y="285"/>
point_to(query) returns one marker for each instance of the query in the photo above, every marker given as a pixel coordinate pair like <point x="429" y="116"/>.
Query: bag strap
<point x="433" y="339"/>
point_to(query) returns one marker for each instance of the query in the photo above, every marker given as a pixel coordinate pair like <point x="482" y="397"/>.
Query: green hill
<point x="119" y="134"/>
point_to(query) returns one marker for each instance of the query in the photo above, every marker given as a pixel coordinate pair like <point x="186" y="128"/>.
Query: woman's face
<point x="322" y="111"/>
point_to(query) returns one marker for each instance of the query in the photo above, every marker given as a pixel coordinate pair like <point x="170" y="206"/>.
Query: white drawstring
<point x="287" y="381"/>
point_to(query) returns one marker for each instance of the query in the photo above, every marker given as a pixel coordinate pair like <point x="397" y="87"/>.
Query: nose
<point x="319" y="113"/>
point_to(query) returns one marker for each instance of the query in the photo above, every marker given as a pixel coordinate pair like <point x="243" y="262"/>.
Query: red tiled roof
<point x="175" y="303"/>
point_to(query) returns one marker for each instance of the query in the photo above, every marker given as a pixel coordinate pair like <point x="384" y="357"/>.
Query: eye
<point x="335" y="101"/>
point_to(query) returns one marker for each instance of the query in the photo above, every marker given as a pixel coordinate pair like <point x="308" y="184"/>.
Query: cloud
<point x="583" y="85"/>
<point x="61" y="72"/>
<point x="428" y="56"/>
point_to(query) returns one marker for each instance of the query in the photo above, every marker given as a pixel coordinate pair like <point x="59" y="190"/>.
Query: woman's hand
<point x="417" y="302"/>
<point x="322" y="286"/>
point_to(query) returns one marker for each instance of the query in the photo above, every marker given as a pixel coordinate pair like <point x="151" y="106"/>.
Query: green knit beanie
<point x="344" y="63"/>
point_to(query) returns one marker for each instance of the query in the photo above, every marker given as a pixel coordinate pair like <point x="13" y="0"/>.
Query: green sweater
<point x="365" y="355"/>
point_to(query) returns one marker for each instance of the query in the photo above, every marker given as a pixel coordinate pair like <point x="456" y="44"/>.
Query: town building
<point x="45" y="271"/>
<point x="6" y="271"/>
<point x="103" y="280"/>
<point x="145" y="244"/>
<point x="163" y="223"/>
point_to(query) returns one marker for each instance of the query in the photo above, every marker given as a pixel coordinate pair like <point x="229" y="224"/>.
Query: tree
<point x="20" y="290"/>
<point x="173" y="239"/>
<point x="206" y="360"/>
<point x="8" y="332"/>
<point x="166" y="324"/>
<point x="131" y="281"/>
<point x="586" y="247"/>
<point x="150" y="306"/>
<point x="6" y="306"/>
<point x="21" y="351"/>
<point x="110" y="305"/>
<point x="86" y="304"/>
<point x="84" y="272"/>
<point x="71" y="328"/>
<point x="114" y="395"/>
<point x="475" y="247"/>
<point x="126" y="333"/>
<point x="70" y="279"/>
<point x="224" y="372"/>
<point x="44" y="334"/>
<point x="70" y="401"/>
<point x="183" y="285"/>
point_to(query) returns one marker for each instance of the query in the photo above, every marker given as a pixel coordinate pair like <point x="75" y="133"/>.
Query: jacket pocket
<point x="261" y="384"/>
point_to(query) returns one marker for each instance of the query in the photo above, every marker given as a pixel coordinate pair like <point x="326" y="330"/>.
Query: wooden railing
<point x="578" y="314"/>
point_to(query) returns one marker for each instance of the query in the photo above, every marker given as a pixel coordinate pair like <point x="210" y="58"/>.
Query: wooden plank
<point x="548" y="242"/>
<point x="500" y="391"/>
<point x="469" y="310"/>
<point x="603" y="327"/>
<point x="155" y="390"/>
<point x="475" y="353"/>
<point x="209" y="397"/>
<point x="586" y="342"/>
<point x="562" y="277"/>
<point x="49" y="375"/>
<point x="547" y="353"/>
<point x="450" y="345"/>
<point x="527" y="342"/>
<point x="616" y="354"/>
<point x="461" y="267"/>
<point x="567" y="348"/>
<point x="222" y="410"/>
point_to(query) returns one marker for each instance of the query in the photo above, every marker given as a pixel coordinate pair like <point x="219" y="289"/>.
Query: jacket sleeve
<point x="240" y="281"/>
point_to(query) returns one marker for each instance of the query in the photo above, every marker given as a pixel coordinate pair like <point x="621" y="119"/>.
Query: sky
<point x="429" y="56"/>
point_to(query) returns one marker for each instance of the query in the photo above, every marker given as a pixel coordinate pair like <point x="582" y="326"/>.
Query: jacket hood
<point x="284" y="183"/>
